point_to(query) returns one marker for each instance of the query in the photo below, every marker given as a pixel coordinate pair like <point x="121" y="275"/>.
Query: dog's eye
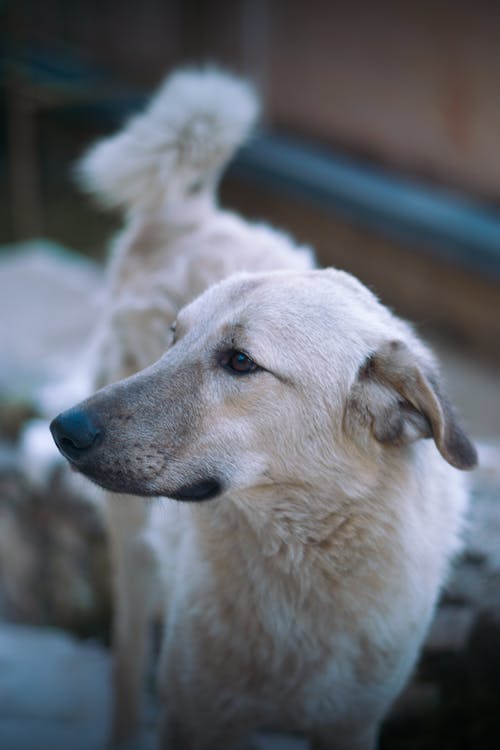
<point x="239" y="363"/>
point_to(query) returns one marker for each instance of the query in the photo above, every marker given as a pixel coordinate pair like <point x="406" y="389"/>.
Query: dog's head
<point x="273" y="379"/>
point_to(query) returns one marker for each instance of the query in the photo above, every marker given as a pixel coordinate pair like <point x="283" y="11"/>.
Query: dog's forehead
<point x="292" y="299"/>
<point x="328" y="288"/>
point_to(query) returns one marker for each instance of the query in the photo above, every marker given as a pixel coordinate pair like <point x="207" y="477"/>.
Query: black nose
<point x="74" y="433"/>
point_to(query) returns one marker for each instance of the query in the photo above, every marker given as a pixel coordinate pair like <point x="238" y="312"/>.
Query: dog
<point x="162" y="171"/>
<point x="305" y="431"/>
<point x="291" y="416"/>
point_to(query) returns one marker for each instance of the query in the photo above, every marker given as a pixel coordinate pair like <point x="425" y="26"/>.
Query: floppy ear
<point x="401" y="403"/>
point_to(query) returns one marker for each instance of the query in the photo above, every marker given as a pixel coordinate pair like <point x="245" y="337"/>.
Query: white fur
<point x="170" y="157"/>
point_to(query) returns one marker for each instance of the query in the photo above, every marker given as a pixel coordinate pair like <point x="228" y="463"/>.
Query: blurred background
<point x="379" y="145"/>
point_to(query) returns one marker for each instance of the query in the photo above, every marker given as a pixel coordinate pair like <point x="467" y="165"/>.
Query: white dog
<point x="298" y="597"/>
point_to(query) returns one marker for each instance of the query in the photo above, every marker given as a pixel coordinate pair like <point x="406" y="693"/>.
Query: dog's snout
<point x="75" y="432"/>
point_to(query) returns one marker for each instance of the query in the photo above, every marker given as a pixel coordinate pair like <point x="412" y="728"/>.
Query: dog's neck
<point x="286" y="530"/>
<point x="287" y="557"/>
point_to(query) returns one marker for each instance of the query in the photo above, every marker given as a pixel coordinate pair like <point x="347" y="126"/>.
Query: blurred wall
<point x="413" y="84"/>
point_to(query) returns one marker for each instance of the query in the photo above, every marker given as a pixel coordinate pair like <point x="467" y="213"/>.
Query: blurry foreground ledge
<point x="49" y="305"/>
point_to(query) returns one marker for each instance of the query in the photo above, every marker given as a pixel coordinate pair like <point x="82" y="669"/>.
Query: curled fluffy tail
<point x="170" y="157"/>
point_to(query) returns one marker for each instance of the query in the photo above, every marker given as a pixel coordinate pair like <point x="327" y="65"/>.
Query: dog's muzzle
<point x="75" y="433"/>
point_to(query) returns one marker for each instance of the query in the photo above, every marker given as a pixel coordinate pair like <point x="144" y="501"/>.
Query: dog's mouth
<point x="199" y="491"/>
<point x="204" y="490"/>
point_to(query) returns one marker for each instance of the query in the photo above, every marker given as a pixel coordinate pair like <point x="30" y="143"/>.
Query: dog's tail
<point x="169" y="158"/>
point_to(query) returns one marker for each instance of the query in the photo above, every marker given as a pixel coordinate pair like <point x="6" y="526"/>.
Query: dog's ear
<point x="401" y="402"/>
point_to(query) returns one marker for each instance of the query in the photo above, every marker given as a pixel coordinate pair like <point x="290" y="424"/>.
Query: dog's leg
<point x="174" y="735"/>
<point x="354" y="737"/>
<point x="135" y="587"/>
